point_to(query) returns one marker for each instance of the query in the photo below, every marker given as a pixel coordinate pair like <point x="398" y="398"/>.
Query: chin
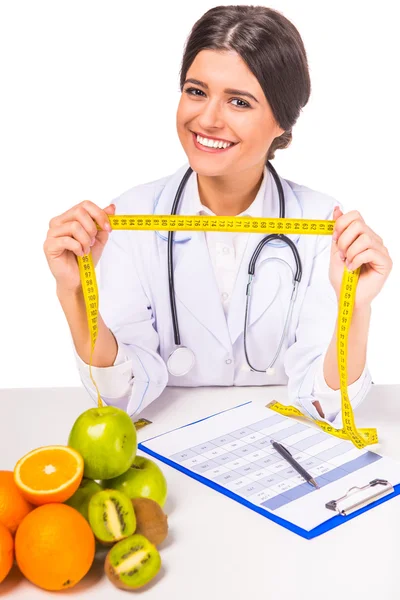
<point x="205" y="168"/>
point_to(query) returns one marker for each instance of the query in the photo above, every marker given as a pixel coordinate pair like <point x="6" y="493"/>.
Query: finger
<point x="360" y="244"/>
<point x="73" y="229"/>
<point x="378" y="261"/>
<point x="54" y="247"/>
<point x="352" y="232"/>
<point x="344" y="221"/>
<point x="95" y="212"/>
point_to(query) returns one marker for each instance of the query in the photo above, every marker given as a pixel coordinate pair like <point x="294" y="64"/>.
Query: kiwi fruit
<point x="111" y="516"/>
<point x="132" y="562"/>
<point x="151" y="521"/>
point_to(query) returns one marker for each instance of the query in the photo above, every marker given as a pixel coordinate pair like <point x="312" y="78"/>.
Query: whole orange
<point x="54" y="546"/>
<point x="6" y="552"/>
<point x="13" y="506"/>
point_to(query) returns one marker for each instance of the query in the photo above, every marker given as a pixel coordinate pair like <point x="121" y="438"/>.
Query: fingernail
<point x="335" y="237"/>
<point x="107" y="226"/>
<point x="342" y="256"/>
<point x="349" y="265"/>
<point x="92" y="242"/>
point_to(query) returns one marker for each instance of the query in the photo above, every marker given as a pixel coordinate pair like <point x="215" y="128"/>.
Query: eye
<point x="189" y="91"/>
<point x="243" y="105"/>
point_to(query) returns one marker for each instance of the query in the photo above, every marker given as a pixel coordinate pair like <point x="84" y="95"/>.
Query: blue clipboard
<point x="335" y="521"/>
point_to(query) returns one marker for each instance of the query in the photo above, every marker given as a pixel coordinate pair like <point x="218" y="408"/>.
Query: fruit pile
<point x="62" y="503"/>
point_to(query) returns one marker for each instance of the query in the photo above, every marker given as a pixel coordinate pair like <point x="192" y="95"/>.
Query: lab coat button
<point x="225" y="250"/>
<point x="228" y="361"/>
<point x="224" y="296"/>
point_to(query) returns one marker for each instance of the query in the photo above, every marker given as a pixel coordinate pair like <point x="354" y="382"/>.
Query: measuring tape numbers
<point x="349" y="431"/>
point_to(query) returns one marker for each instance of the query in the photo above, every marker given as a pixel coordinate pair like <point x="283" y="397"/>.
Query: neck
<point x="230" y="195"/>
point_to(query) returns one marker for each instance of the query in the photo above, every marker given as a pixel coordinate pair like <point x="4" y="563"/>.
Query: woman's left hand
<point x="354" y="244"/>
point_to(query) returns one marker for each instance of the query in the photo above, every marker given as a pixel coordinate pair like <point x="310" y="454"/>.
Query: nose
<point x="210" y="116"/>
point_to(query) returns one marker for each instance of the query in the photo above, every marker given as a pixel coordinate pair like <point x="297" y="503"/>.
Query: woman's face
<point x="225" y="103"/>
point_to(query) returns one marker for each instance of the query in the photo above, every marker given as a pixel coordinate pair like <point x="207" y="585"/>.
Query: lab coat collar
<point x="254" y="210"/>
<point x="163" y="203"/>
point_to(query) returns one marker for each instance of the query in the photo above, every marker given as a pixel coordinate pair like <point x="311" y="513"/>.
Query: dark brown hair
<point x="271" y="47"/>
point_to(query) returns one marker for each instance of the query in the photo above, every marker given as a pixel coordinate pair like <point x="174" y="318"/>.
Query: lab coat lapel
<point x="195" y="284"/>
<point x="196" y="287"/>
<point x="267" y="281"/>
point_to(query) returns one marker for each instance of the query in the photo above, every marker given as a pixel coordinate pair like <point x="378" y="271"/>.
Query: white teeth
<point x="213" y="143"/>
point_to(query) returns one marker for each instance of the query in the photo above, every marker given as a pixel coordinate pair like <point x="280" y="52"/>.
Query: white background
<point x="88" y="103"/>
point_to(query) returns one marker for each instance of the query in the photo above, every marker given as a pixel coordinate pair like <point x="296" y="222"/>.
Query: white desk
<point x="217" y="548"/>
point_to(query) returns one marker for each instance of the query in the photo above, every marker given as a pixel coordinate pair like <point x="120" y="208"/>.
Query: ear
<point x="279" y="132"/>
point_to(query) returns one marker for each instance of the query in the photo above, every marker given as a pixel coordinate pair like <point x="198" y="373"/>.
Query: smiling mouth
<point x="210" y="144"/>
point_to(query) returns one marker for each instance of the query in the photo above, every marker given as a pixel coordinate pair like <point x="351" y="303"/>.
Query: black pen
<point x="285" y="453"/>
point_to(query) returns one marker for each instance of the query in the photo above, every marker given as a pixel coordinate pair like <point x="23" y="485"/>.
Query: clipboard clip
<point x="357" y="497"/>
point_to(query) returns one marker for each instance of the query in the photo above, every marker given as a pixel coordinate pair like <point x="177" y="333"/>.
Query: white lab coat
<point x="134" y="303"/>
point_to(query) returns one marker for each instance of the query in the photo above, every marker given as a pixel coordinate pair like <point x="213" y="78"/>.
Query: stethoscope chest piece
<point x="180" y="361"/>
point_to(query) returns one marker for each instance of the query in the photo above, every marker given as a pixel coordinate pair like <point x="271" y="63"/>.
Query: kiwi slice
<point x="132" y="562"/>
<point x="111" y="516"/>
<point x="151" y="521"/>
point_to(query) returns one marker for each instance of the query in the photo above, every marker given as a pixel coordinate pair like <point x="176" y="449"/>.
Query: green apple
<point x="106" y="439"/>
<point x="144" y="479"/>
<point x="80" y="500"/>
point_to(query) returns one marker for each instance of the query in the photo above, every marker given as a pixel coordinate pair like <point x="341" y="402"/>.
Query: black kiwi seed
<point x="120" y="513"/>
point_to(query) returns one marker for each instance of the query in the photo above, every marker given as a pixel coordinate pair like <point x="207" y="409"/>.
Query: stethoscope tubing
<point x="251" y="270"/>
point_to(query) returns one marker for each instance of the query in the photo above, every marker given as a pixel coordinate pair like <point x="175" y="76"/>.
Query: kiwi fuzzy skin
<point x="151" y="521"/>
<point x="109" y="571"/>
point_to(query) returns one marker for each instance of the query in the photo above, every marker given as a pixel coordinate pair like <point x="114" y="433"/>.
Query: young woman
<point x="173" y="306"/>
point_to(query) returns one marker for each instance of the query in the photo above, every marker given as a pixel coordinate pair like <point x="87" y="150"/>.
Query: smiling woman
<point x="244" y="80"/>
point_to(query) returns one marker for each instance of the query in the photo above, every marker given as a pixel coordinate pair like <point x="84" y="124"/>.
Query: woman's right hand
<point x="74" y="233"/>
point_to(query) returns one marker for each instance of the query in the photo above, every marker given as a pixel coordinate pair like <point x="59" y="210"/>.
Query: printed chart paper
<point x="232" y="453"/>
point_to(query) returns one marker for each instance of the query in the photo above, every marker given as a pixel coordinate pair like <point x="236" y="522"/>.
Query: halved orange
<point x="49" y="474"/>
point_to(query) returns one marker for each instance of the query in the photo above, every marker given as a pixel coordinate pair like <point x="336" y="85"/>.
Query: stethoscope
<point x="182" y="359"/>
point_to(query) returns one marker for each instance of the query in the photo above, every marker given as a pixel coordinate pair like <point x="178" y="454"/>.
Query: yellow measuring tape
<point x="349" y="431"/>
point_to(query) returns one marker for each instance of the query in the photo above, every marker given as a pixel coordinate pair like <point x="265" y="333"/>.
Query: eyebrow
<point x="226" y="90"/>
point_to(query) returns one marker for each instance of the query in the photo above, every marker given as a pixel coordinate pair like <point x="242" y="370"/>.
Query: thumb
<point x="110" y="209"/>
<point x="336" y="213"/>
<point x="102" y="236"/>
